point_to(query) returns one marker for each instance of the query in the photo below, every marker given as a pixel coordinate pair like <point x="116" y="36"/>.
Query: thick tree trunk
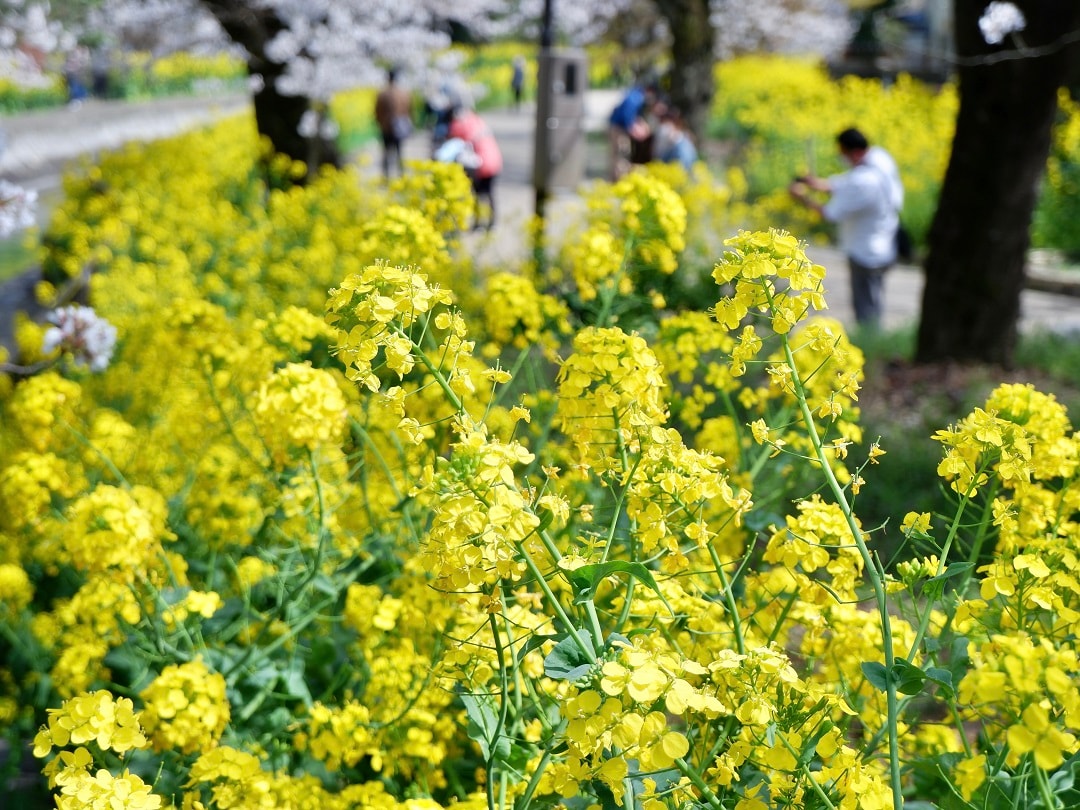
<point x="277" y="116"/>
<point x="979" y="237"/>
<point x="692" y="37"/>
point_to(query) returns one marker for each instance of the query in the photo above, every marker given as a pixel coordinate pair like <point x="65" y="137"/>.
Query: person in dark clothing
<point x="393" y="115"/>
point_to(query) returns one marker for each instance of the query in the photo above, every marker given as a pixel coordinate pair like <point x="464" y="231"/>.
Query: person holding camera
<point x="865" y="202"/>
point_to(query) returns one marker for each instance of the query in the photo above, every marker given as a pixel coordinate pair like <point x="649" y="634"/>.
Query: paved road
<point x="39" y="145"/>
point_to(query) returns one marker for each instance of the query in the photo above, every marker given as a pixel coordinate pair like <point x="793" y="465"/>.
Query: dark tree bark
<point x="978" y="241"/>
<point x="692" y="39"/>
<point x="277" y="116"/>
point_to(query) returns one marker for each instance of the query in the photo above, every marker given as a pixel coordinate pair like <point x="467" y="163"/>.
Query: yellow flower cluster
<point x="110" y="723"/>
<point x="518" y="315"/>
<point x="757" y="264"/>
<point x="441" y="192"/>
<point x="480" y="516"/>
<point x="41" y="408"/>
<point x="1021" y="449"/>
<point x="299" y="408"/>
<point x="101" y="790"/>
<point x="680" y="499"/>
<point x="28" y="485"/>
<point x="655" y="215"/>
<point x="16" y="590"/>
<point x="1025" y="691"/>
<point x="597" y="258"/>
<point x="189" y="66"/>
<point x="630" y="241"/>
<point x="185" y="708"/>
<point x="610" y="396"/>
<point x="375" y="311"/>
<point x="112" y="529"/>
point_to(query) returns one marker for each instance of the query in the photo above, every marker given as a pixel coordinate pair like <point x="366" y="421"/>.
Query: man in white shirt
<point x="865" y="202"/>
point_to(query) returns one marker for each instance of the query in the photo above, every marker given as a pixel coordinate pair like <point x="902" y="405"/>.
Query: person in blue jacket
<point x="629" y="129"/>
<point x="674" y="143"/>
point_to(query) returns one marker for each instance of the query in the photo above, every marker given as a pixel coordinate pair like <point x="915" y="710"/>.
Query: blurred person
<point x="673" y="142"/>
<point x="629" y="130"/>
<point x="99" y="73"/>
<point x="74" y="65"/>
<point x="865" y="202"/>
<point x="467" y="126"/>
<point x="517" y="80"/>
<point x="393" y="115"/>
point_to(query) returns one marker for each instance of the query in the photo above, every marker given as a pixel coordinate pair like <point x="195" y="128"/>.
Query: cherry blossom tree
<point x="300" y="52"/>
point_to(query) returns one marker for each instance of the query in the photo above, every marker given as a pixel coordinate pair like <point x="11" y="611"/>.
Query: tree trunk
<point x="277" y="116"/>
<point x="692" y="38"/>
<point x="979" y="238"/>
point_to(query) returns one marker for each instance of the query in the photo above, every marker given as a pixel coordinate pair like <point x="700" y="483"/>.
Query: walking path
<point x="40" y="144"/>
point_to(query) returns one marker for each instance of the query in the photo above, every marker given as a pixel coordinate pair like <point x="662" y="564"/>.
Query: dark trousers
<point x="484" y="187"/>
<point x="867" y="292"/>
<point x="391" y="153"/>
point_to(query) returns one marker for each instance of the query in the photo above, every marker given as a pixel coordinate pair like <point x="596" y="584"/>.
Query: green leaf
<point x="129" y="660"/>
<point x="483" y="726"/>
<point x="942" y="677"/>
<point x="1066" y="778"/>
<point x="265" y="676"/>
<point x="295" y="682"/>
<point x="905" y="676"/>
<point x="587" y="577"/>
<point x="909" y="679"/>
<point x="567" y="661"/>
<point x="951" y="571"/>
<point x="877" y="674"/>
<point x="547" y="517"/>
<point x="535" y="642"/>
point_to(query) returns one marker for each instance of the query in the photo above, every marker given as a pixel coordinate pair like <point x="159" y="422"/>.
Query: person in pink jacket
<point x="473" y="130"/>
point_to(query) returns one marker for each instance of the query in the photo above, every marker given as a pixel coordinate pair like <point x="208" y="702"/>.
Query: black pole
<point x="545" y="27"/>
<point x="540" y="138"/>
<point x="540" y="167"/>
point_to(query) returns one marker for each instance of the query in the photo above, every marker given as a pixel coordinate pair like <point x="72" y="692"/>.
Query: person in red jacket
<point x="488" y="162"/>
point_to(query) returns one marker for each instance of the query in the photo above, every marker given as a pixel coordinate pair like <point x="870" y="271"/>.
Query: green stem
<point x="875" y="576"/>
<point x="586" y="649"/>
<point x="436" y="372"/>
<point x="534" y="781"/>
<point x="323" y="533"/>
<point x="729" y="600"/>
<point x="1049" y="800"/>
<point x="699" y="783"/>
<point x="818" y="789"/>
